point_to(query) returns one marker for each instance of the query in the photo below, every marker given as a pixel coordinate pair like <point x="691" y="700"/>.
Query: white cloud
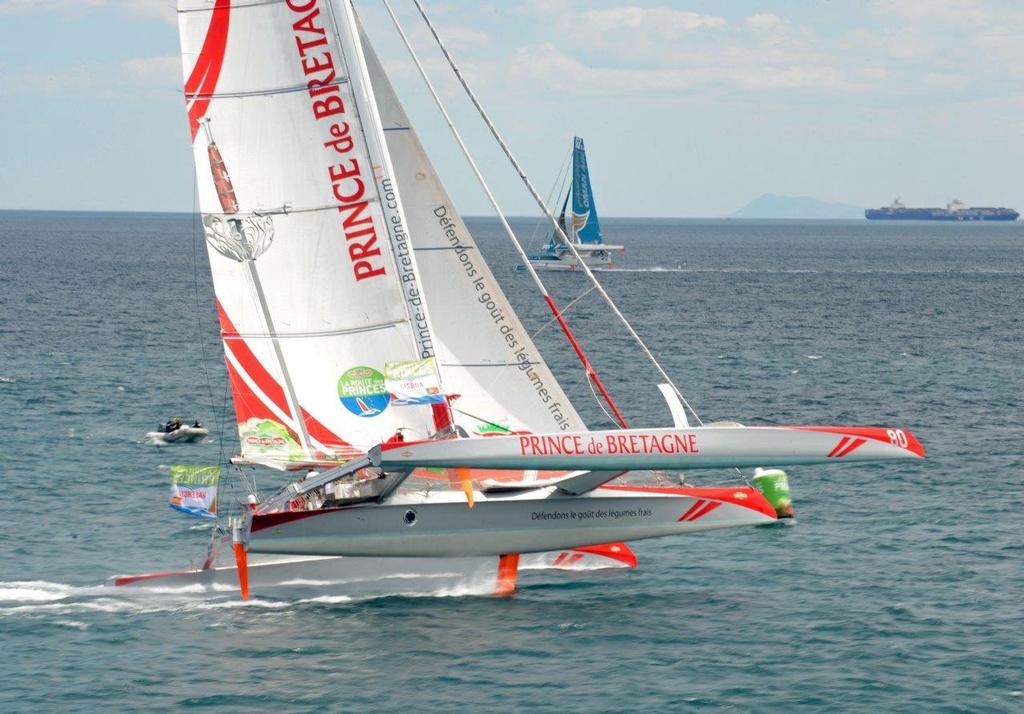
<point x="461" y="37"/>
<point x="661" y="21"/>
<point x="161" y="75"/>
<point x="156" y="71"/>
<point x="629" y="49"/>
<point x="11" y="7"/>
<point x="956" y="12"/>
<point x="946" y="81"/>
<point x="162" y="10"/>
<point x="765" y="21"/>
<point x="980" y="41"/>
<point x="561" y="72"/>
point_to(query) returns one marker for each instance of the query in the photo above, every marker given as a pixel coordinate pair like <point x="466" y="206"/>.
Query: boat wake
<point x="63" y="604"/>
<point x="809" y="271"/>
<point x="33" y="591"/>
<point x="647" y="269"/>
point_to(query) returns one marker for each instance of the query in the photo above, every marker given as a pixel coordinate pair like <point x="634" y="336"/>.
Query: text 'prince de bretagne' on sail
<point x="347" y="181"/>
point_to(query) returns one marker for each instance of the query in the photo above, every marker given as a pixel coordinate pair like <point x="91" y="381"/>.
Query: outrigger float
<point x="366" y="337"/>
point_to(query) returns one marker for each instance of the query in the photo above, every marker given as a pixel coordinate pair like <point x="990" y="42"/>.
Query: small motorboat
<point x="175" y="431"/>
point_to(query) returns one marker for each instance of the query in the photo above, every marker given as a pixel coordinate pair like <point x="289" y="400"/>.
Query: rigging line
<point x="218" y="416"/>
<point x="599" y="404"/>
<point x="221" y="422"/>
<point x="540" y="202"/>
<point x="485" y="421"/>
<point x="250" y="484"/>
<point x="562" y="311"/>
<point x="560" y="179"/>
<point x="591" y="373"/>
<point x="195" y="289"/>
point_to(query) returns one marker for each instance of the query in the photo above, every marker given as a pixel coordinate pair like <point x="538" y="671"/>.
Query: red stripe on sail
<point x="250" y="363"/>
<point x="322" y="434"/>
<point x="203" y="80"/>
<point x="838" y="447"/>
<point x="248" y="405"/>
<point x="266" y="382"/>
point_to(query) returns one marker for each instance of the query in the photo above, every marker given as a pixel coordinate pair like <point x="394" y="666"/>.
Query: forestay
<point x="487" y="357"/>
<point x="315" y="279"/>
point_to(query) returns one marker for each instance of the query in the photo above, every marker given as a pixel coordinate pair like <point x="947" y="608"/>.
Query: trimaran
<point x="365" y="335"/>
<point x="582" y="225"/>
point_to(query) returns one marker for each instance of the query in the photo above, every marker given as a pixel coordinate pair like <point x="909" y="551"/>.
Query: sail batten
<point x="280" y="334"/>
<point x="265" y="92"/>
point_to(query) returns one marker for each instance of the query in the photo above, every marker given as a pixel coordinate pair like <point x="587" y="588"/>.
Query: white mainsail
<point x="486" y="355"/>
<point x="316" y="283"/>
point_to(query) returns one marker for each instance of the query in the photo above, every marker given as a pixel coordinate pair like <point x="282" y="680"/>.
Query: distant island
<point x="772" y="206"/>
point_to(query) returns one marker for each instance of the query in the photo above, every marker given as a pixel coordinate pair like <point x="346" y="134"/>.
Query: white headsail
<point x="487" y="357"/>
<point x="316" y="282"/>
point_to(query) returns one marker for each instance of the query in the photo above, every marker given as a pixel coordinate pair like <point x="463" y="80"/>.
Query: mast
<point x="248" y="253"/>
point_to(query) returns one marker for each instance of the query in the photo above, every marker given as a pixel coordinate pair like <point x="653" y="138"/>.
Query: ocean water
<point x="899" y="588"/>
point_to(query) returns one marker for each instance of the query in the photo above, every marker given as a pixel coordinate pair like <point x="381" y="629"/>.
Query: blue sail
<point x="584" y="212"/>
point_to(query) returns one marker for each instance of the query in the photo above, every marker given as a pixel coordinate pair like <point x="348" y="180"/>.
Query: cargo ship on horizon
<point x="954" y="211"/>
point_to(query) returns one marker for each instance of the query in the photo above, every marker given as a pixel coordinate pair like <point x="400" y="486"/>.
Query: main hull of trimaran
<point x="290" y="576"/>
<point x="545" y="519"/>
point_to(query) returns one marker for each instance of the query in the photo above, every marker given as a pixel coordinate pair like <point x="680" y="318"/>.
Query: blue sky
<point x="688" y="108"/>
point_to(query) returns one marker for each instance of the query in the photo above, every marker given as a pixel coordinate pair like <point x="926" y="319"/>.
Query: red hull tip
<point x="615" y="551"/>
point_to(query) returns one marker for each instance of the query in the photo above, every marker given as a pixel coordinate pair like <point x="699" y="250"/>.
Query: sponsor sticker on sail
<point x="413" y="382"/>
<point x="194" y="489"/>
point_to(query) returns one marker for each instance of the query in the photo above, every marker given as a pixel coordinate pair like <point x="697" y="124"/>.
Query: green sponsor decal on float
<point x="774" y="485"/>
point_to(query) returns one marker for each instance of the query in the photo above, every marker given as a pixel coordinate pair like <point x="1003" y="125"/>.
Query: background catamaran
<point x="354" y="305"/>
<point x="583" y="227"/>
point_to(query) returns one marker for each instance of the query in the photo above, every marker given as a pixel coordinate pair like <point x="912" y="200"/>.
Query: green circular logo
<point x="363" y="392"/>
